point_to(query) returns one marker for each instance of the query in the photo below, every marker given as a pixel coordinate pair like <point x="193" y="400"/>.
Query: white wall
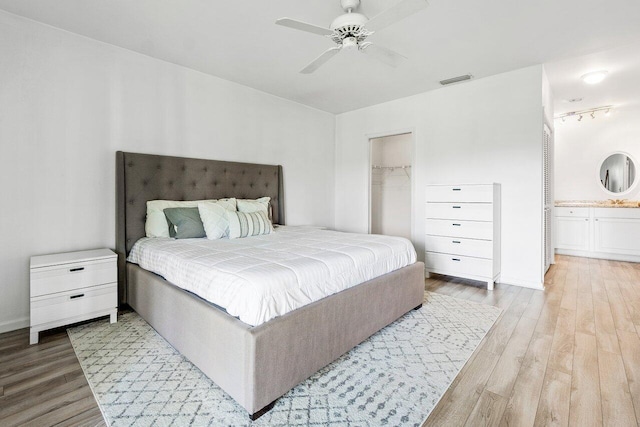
<point x="488" y="130"/>
<point x="582" y="146"/>
<point x="67" y="103"/>
<point x="391" y="188"/>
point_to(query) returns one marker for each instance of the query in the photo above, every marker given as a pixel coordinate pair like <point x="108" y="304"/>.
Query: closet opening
<point x="390" y="208"/>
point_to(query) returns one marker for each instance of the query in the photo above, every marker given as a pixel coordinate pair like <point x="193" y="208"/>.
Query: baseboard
<point x="12" y="325"/>
<point x="599" y="255"/>
<point x="522" y="283"/>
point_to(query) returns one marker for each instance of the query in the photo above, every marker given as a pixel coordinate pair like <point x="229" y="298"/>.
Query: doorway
<point x="390" y="185"/>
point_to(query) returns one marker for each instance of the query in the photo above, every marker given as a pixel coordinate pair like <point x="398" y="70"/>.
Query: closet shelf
<point x="405" y="168"/>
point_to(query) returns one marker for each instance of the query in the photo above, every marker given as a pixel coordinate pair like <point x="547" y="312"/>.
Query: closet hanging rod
<point x="391" y="167"/>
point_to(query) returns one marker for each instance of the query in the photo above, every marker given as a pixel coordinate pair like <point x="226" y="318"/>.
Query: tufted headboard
<point x="143" y="177"/>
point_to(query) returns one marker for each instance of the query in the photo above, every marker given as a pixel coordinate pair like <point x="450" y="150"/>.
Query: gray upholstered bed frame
<point x="254" y="365"/>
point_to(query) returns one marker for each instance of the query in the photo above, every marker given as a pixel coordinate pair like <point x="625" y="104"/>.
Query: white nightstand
<point x="72" y="287"/>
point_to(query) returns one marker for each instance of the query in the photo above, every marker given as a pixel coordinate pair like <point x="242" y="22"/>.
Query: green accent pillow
<point x="185" y="222"/>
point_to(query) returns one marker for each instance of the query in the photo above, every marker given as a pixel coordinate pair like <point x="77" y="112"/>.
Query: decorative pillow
<point x="248" y="224"/>
<point x="214" y="217"/>
<point x="156" y="224"/>
<point x="184" y="223"/>
<point x="257" y="205"/>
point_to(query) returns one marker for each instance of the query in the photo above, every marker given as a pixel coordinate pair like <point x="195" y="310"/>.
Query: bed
<point x="255" y="365"/>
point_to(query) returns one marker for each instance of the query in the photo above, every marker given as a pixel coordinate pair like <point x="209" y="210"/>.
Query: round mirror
<point x="618" y="173"/>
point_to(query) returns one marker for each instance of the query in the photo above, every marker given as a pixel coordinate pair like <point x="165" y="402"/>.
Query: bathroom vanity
<point x="608" y="229"/>
<point x="598" y="230"/>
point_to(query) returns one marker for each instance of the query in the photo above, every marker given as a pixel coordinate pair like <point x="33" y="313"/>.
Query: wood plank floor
<point x="43" y="384"/>
<point x="567" y="356"/>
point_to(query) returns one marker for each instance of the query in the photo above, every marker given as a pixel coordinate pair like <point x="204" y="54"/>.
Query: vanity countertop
<point x="597" y="204"/>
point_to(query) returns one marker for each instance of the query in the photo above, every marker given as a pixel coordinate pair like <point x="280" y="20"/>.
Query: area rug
<point x="394" y="378"/>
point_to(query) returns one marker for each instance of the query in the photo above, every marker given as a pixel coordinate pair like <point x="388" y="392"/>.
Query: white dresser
<point x="72" y="287"/>
<point x="463" y="231"/>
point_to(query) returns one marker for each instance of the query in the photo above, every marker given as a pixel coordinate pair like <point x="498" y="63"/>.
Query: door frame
<point x="403" y="131"/>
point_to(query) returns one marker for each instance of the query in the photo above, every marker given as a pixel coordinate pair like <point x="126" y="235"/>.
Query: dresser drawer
<point x="458" y="246"/>
<point x="72" y="304"/>
<point x="457" y="265"/>
<point x="572" y="212"/>
<point x="460" y="193"/>
<point x="465" y="211"/>
<point x="456" y="228"/>
<point x="61" y="278"/>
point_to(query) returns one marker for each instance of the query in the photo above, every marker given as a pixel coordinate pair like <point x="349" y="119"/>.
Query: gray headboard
<point x="143" y="177"/>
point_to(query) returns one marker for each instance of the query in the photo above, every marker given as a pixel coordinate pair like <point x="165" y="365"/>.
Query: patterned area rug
<point x="394" y="378"/>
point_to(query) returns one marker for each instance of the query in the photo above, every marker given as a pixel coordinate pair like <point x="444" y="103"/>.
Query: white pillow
<point x="156" y="223"/>
<point x="214" y="217"/>
<point x="243" y="224"/>
<point x="257" y="205"/>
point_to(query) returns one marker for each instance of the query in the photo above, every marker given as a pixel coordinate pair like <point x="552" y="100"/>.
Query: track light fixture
<point x="580" y="114"/>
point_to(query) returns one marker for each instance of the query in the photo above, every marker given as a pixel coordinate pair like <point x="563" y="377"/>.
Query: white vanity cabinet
<point x="572" y="228"/>
<point x="463" y="231"/>
<point x="617" y="231"/>
<point x="598" y="232"/>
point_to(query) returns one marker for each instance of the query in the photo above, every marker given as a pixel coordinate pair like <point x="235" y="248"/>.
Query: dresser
<point x="72" y="287"/>
<point x="463" y="231"/>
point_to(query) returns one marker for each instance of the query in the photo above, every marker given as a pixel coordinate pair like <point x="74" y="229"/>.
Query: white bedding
<point x="259" y="278"/>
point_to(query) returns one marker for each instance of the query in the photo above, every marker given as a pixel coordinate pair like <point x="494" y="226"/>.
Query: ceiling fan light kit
<point x="350" y="31"/>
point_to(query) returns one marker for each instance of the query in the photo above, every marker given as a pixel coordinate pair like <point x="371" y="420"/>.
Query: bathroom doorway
<point x="390" y="209"/>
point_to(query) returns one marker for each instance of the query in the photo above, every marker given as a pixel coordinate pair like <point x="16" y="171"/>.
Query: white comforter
<point x="262" y="277"/>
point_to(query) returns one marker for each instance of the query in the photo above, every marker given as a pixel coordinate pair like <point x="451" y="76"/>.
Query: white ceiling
<point x="238" y="41"/>
<point x="621" y="87"/>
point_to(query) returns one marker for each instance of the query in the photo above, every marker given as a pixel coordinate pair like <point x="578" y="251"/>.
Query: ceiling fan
<point x="351" y="30"/>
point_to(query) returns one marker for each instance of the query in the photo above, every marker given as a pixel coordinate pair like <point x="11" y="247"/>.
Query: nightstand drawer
<point x="66" y="277"/>
<point x="74" y="303"/>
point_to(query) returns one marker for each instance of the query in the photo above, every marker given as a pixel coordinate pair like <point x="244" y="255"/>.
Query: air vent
<point x="456" y="79"/>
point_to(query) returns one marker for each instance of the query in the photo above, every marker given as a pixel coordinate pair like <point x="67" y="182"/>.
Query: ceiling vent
<point x="456" y="79"/>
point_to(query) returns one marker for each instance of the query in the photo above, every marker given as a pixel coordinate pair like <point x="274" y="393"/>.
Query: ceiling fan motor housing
<point x="349" y="25"/>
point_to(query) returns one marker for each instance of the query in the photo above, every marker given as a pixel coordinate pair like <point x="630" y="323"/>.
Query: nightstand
<point x="71" y="287"/>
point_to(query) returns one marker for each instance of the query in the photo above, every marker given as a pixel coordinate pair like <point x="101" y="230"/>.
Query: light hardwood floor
<point x="567" y="356"/>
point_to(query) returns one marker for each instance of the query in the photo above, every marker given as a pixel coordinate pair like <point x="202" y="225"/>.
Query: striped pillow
<point x="243" y="224"/>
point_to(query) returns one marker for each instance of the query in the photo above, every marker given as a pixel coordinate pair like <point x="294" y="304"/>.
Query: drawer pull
<point x="455" y="259"/>
<point x="456" y="241"/>
<point x="457" y="207"/>
<point x="457" y="225"/>
<point x="76" y="269"/>
<point x="76" y="296"/>
<point x="456" y="189"/>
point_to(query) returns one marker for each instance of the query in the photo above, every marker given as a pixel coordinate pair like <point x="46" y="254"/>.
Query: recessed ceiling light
<point x="594" y="77"/>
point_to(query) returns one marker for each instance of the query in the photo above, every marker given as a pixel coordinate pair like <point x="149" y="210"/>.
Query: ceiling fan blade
<point x="395" y="13"/>
<point x="383" y="54"/>
<point x="303" y="26"/>
<point x="320" y="60"/>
